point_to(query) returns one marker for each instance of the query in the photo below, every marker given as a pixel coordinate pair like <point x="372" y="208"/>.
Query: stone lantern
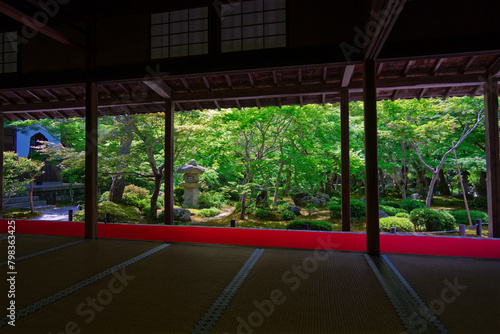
<point x="191" y="186"/>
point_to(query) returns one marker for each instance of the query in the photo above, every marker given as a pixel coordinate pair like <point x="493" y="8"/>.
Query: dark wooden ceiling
<point x="318" y="84"/>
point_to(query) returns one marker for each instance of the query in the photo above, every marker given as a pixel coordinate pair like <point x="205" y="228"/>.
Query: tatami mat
<point x="463" y="293"/>
<point x="339" y="294"/>
<point x="167" y="292"/>
<point x="43" y="275"/>
<point x="29" y="244"/>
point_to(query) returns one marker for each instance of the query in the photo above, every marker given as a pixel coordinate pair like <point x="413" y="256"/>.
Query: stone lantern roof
<point x="192" y="167"/>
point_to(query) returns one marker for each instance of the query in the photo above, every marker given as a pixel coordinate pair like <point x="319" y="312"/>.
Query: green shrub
<point x="179" y="195"/>
<point x="287" y="215"/>
<point x="411" y="204"/>
<point x="461" y="216"/>
<point x="208" y="212"/>
<point x="393" y="204"/>
<point x="358" y="209"/>
<point x="310" y="207"/>
<point x="480" y="202"/>
<point x="261" y="212"/>
<point x="283" y="207"/>
<point x="336" y="200"/>
<point x="318" y="225"/>
<point x="212" y="200"/>
<point x="122" y="212"/>
<point x="104" y="197"/>
<point x="403" y="215"/>
<point x="136" y="196"/>
<point x="432" y="220"/>
<point x="449" y="222"/>
<point x="401" y="224"/>
<point x="391" y="211"/>
<point x="335" y="210"/>
<point x="237" y="207"/>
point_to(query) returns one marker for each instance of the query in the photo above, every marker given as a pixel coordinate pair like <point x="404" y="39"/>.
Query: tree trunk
<point x="428" y="200"/>
<point x="154" y="196"/>
<point x="481" y="188"/>
<point x="32" y="208"/>
<point x="443" y="185"/>
<point x="288" y="182"/>
<point x="277" y="185"/>
<point x="381" y="180"/>
<point x="421" y="181"/>
<point x="329" y="184"/>
<point x="117" y="188"/>
<point x="243" y="205"/>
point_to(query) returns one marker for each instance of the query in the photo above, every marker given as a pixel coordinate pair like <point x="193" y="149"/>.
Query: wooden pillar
<point x="91" y="137"/>
<point x="169" y="163"/>
<point x="91" y="141"/>
<point x="371" y="158"/>
<point x="492" y="156"/>
<point x="345" y="170"/>
<point x="2" y="138"/>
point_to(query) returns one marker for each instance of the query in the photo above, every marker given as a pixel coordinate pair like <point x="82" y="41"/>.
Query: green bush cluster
<point x="208" y="212"/>
<point x="391" y="211"/>
<point x="237" y="207"/>
<point x="318" y="225"/>
<point x="122" y="212"/>
<point x="136" y="196"/>
<point x="212" y="199"/>
<point x="392" y="203"/>
<point x="358" y="208"/>
<point x="432" y="220"/>
<point x="403" y="215"/>
<point x="411" y="204"/>
<point x="401" y="224"/>
<point x="287" y="215"/>
<point x="261" y="212"/>
<point x="461" y="216"/>
<point x="179" y="195"/>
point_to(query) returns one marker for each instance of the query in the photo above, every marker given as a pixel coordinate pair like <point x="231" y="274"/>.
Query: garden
<point x="279" y="168"/>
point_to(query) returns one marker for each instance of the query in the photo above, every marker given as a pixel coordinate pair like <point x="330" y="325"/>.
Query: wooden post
<point x="492" y="156"/>
<point x="91" y="139"/>
<point x="2" y="146"/>
<point x="345" y="170"/>
<point x="371" y="158"/>
<point x="169" y="163"/>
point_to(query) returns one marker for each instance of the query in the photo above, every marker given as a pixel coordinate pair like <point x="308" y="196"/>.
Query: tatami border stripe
<point x="417" y="298"/>
<point x="214" y="312"/>
<point x="44" y="302"/>
<point x="44" y="251"/>
<point x="4" y="238"/>
<point x="394" y="301"/>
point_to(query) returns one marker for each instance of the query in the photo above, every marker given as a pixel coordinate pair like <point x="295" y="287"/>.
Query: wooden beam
<point x="238" y="104"/>
<point x="394" y="95"/>
<point x="301" y="100"/>
<point x="468" y="64"/>
<point x="217" y="105"/>
<point x="345" y="163"/>
<point x="474" y="91"/>
<point x="421" y="93"/>
<point x="169" y="163"/>
<point x="185" y="84"/>
<point x="492" y="156"/>
<point x="2" y="146"/>
<point x="205" y="80"/>
<point x="25" y="19"/>
<point x="347" y="76"/>
<point x="325" y="74"/>
<point x="299" y="76"/>
<point x="275" y="79"/>
<point x="228" y="81"/>
<point x="448" y="92"/>
<point x="407" y="68"/>
<point x="252" y="81"/>
<point x="437" y="66"/>
<point x="371" y="158"/>
<point x="379" y="69"/>
<point x="494" y="69"/>
<point x="159" y="87"/>
<point x="384" y="24"/>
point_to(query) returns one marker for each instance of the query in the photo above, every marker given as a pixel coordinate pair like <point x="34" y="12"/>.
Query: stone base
<point x="191" y="197"/>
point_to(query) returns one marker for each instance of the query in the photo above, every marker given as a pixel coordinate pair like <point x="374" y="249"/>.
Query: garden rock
<point x="302" y="199"/>
<point x="182" y="215"/>
<point x="363" y="199"/>
<point x="382" y="214"/>
<point x="294" y="209"/>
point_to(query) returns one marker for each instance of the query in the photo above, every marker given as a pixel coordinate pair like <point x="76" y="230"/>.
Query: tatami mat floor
<point x="286" y="291"/>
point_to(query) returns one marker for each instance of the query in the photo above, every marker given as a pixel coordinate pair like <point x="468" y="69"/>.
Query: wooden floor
<point x="69" y="285"/>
